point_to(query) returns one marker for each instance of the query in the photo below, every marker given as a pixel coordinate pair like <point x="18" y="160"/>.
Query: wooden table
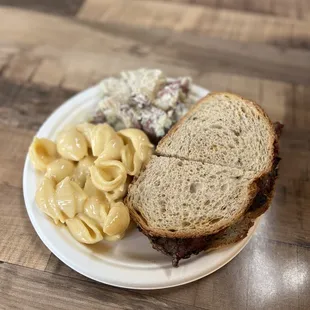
<point x="49" y="50"/>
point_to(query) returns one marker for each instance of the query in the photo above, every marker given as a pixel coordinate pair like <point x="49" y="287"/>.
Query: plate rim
<point x="93" y="91"/>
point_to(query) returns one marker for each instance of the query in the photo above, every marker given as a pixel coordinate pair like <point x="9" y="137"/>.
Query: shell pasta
<point x="105" y="142"/>
<point x="71" y="144"/>
<point x="117" y="220"/>
<point x="108" y="175"/>
<point x="46" y="200"/>
<point x="84" y="229"/>
<point x="59" y="169"/>
<point x="41" y="153"/>
<point x="96" y="209"/>
<point x="82" y="170"/>
<point x="137" y="150"/>
<point x="139" y="141"/>
<point x="87" y="173"/>
<point x="119" y="192"/>
<point x="70" y="197"/>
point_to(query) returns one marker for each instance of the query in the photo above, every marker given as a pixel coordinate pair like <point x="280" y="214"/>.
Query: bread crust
<point x="252" y="189"/>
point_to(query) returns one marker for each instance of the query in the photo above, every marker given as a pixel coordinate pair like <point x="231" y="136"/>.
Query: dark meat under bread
<point x="181" y="248"/>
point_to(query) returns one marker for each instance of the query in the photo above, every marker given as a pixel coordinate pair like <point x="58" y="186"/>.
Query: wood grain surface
<point x="50" y="50"/>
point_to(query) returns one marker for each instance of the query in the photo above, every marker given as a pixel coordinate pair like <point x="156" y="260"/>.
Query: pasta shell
<point x="42" y="152"/>
<point x="84" y="229"/>
<point x="119" y="192"/>
<point x="96" y="209"/>
<point x="79" y="195"/>
<point x="82" y="170"/>
<point x="70" y="197"/>
<point x="106" y="143"/>
<point x="45" y="199"/>
<point x="114" y="238"/>
<point x="59" y="169"/>
<point x="86" y="130"/>
<point x="139" y="141"/>
<point x="71" y="144"/>
<point x="107" y="175"/>
<point x="131" y="160"/>
<point x="118" y="220"/>
<point x="91" y="190"/>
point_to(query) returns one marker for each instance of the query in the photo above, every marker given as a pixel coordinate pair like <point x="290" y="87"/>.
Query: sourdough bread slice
<point x="179" y="198"/>
<point x="223" y="129"/>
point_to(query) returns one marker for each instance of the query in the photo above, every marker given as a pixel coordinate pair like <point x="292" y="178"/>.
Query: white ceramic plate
<point x="131" y="262"/>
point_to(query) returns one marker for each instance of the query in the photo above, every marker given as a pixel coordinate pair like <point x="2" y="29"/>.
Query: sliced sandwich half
<point x="213" y="174"/>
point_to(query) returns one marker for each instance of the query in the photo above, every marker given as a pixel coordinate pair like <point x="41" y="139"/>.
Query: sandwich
<point x="211" y="176"/>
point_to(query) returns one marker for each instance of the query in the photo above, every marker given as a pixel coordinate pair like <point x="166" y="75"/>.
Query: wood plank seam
<point x="258" y="7"/>
<point x="49" y="259"/>
<point x="6" y="65"/>
<point x="87" y="280"/>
